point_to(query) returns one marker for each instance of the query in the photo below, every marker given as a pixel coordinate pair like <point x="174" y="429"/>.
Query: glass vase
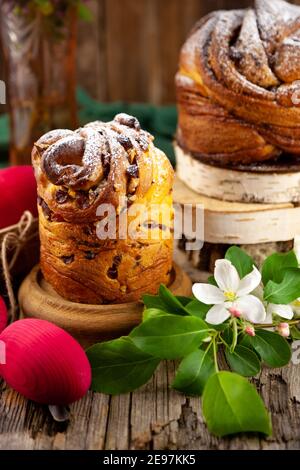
<point x="39" y="54"/>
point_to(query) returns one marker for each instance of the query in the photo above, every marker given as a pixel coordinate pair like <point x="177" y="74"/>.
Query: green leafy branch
<point x="51" y="8"/>
<point x="175" y="328"/>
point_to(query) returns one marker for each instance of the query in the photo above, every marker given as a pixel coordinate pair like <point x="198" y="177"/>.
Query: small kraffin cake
<point x="77" y="172"/>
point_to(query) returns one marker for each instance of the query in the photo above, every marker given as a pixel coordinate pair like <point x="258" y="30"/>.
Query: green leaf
<point x="211" y="280"/>
<point x="193" y="373"/>
<point x="170" y="336"/>
<point x="274" y="265"/>
<point x="118" y="366"/>
<point x="197" y="308"/>
<point x="172" y="303"/>
<point x="154" y="301"/>
<point x="228" y="335"/>
<point x="232" y="405"/>
<point x="295" y="332"/>
<point x="153" y="313"/>
<point x="273" y="349"/>
<point x="285" y="291"/>
<point x="84" y="12"/>
<point x="184" y="300"/>
<point x="45" y="7"/>
<point x="174" y="306"/>
<point x="243" y="361"/>
<point x="243" y="262"/>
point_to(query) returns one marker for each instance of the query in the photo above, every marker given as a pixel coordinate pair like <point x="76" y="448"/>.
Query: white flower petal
<point x="252" y="308"/>
<point x="297" y="247"/>
<point x="217" y="314"/>
<point x="226" y="276"/>
<point x="284" y="311"/>
<point x="208" y="294"/>
<point x="249" y="282"/>
<point x="269" y="318"/>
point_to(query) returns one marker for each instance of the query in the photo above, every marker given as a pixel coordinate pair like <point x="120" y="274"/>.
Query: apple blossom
<point x="231" y="296"/>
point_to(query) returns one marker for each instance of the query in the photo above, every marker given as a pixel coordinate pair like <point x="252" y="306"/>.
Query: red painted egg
<point x="44" y="363"/>
<point x="18" y="194"/>
<point x="3" y="314"/>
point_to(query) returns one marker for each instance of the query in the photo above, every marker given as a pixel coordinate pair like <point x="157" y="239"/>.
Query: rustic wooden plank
<point x="170" y="37"/>
<point x="102" y="76"/>
<point x="154" y="417"/>
<point x="174" y="19"/>
<point x="149" y="58"/>
<point x="91" y="56"/>
<point x="125" y="21"/>
<point x="118" y="429"/>
<point x="154" y="423"/>
<point x="130" y="50"/>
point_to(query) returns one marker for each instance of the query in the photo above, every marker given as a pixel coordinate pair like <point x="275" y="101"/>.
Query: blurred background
<point x="126" y="52"/>
<point x="129" y="50"/>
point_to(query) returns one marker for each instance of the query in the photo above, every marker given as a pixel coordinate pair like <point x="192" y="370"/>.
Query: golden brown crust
<point x="238" y="79"/>
<point x="123" y="169"/>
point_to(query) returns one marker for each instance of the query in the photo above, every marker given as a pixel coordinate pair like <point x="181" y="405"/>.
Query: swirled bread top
<point x="102" y="163"/>
<point x="81" y="159"/>
<point x="253" y="52"/>
<point x="238" y="85"/>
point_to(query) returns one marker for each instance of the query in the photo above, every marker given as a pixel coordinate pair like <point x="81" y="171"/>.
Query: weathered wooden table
<point x="154" y="417"/>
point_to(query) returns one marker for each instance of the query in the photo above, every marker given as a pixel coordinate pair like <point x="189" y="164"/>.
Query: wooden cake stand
<point x="87" y="323"/>
<point x="257" y="210"/>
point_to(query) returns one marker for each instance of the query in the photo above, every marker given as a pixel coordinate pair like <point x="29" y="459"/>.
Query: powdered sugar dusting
<point x="184" y="81"/>
<point x="82" y="158"/>
<point x="250" y="55"/>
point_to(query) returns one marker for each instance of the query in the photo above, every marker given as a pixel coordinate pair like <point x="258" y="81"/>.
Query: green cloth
<point x="158" y="120"/>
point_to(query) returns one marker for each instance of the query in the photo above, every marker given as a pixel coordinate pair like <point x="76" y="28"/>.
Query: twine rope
<point x="12" y="244"/>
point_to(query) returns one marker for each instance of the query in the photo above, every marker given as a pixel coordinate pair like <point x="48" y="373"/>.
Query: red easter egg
<point x="44" y="363"/>
<point x="18" y="194"/>
<point x="3" y="314"/>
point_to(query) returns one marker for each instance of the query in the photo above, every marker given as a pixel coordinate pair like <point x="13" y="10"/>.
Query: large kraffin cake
<point x="238" y="88"/>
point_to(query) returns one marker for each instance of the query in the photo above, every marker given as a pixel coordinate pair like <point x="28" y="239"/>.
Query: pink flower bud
<point x="249" y="330"/>
<point x="283" y="329"/>
<point x="235" y="312"/>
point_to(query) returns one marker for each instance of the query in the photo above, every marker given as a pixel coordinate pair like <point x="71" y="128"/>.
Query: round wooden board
<point x="240" y="223"/>
<point x="234" y="185"/>
<point x="87" y="323"/>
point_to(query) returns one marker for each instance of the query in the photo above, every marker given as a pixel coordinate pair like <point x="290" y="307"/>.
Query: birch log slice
<point x="240" y="223"/>
<point x="234" y="185"/>
<point x="87" y="323"/>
